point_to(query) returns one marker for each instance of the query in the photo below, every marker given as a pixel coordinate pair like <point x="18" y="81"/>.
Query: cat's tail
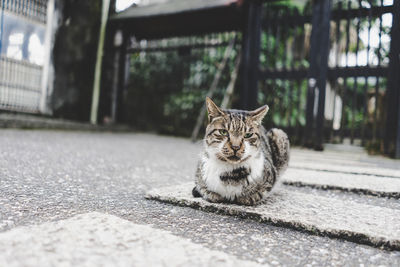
<point x="279" y="143"/>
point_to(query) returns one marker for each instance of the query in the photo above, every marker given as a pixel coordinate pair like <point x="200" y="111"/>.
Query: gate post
<point x="317" y="74"/>
<point x="322" y="74"/>
<point x="312" y="74"/>
<point x="251" y="55"/>
<point x="392" y="135"/>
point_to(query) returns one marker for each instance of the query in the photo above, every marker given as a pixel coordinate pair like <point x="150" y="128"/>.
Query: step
<point x="358" y="183"/>
<point x="97" y="239"/>
<point x="360" y="223"/>
<point x="342" y="168"/>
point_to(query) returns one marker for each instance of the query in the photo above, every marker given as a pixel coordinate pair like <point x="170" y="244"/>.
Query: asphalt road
<point x="53" y="175"/>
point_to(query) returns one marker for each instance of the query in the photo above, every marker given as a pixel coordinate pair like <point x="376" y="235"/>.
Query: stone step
<point x="97" y="239"/>
<point x="343" y="158"/>
<point x="360" y="223"/>
<point x="358" y="183"/>
<point x="342" y="168"/>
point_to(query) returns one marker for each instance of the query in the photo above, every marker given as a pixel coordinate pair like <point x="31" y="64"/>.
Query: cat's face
<point x="233" y="136"/>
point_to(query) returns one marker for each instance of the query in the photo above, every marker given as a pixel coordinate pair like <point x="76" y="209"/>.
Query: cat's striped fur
<point x="241" y="161"/>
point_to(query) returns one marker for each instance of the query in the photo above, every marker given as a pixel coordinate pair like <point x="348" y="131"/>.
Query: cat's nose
<point x="235" y="148"/>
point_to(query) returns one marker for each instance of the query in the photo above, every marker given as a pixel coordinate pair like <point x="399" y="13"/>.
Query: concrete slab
<point x="97" y="239"/>
<point x="365" y="184"/>
<point x="343" y="158"/>
<point x="342" y="168"/>
<point x="365" y="224"/>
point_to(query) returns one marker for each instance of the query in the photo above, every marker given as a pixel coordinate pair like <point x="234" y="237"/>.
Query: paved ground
<point x="48" y="178"/>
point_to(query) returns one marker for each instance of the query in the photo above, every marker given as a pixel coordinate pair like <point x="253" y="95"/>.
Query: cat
<point x="241" y="161"/>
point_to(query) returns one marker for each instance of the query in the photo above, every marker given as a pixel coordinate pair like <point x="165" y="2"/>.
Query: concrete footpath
<point x="78" y="198"/>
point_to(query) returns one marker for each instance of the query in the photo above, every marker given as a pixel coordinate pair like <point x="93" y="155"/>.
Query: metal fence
<point x="328" y="71"/>
<point x="342" y="46"/>
<point x="22" y="54"/>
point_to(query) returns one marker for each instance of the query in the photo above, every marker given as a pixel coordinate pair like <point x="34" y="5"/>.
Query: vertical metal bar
<point x="353" y="103"/>
<point x="276" y="33"/>
<point x="268" y="32"/>
<point x="285" y="95"/>
<point x="377" y="83"/>
<point x="392" y="136"/>
<point x="323" y="70"/>
<point x="374" y="127"/>
<point x="365" y="116"/>
<point x="312" y="73"/>
<point x="300" y="82"/>
<point x="291" y="64"/>
<point x="335" y="83"/>
<point x="344" y="119"/>
<point x="278" y="58"/>
<point x="355" y="85"/>
<point x="299" y="85"/>
<point x="396" y="69"/>
<point x="251" y="56"/>
<point x="284" y="39"/>
<point x="365" y="113"/>
<point x="277" y="38"/>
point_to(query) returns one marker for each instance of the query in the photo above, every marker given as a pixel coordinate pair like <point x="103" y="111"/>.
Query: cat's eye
<point x="223" y="132"/>
<point x="248" y="135"/>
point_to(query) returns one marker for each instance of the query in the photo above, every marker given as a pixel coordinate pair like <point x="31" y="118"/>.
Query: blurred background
<point x="329" y="70"/>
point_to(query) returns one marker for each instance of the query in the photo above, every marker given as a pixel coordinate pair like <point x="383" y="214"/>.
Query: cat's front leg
<point x="207" y="195"/>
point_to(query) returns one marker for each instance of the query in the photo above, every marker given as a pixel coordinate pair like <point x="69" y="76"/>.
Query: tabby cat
<point x="241" y="161"/>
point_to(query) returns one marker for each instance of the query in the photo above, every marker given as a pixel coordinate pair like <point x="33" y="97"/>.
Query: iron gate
<point x="342" y="46"/>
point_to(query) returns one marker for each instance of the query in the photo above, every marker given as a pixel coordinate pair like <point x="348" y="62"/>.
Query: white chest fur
<point x="213" y="168"/>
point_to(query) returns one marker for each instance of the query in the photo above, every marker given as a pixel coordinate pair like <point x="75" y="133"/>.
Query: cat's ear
<point x="258" y="114"/>
<point x="213" y="110"/>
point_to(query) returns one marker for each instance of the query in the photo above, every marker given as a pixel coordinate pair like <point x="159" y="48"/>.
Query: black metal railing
<point x="325" y="71"/>
<point x="330" y="71"/>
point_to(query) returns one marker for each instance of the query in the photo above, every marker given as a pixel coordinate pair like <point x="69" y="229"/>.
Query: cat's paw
<point x="213" y="197"/>
<point x="245" y="201"/>
<point x="250" y="200"/>
<point x="195" y="192"/>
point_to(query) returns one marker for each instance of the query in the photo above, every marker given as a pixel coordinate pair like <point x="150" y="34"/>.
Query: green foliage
<point x="167" y="89"/>
<point x="298" y="4"/>
<point x="287" y="103"/>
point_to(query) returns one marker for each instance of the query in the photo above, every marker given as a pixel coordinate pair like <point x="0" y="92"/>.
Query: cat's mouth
<point x="234" y="158"/>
